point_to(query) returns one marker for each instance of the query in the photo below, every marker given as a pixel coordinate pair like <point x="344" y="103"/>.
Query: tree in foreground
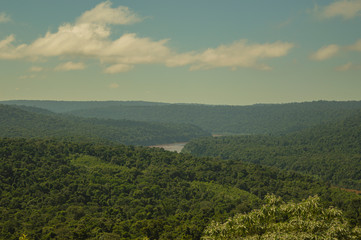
<point x="279" y="220"/>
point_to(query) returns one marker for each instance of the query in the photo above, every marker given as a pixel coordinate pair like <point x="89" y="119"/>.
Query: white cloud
<point x="90" y="41"/>
<point x="118" y="68"/>
<point x="325" y="52"/>
<point x="348" y="66"/>
<point x="89" y="38"/>
<point x="8" y="50"/>
<point x="129" y="49"/>
<point x="69" y="66"/>
<point x="331" y="50"/>
<point x="104" y="14"/>
<point x="4" y="17"/>
<point x="237" y="54"/>
<point x="70" y="40"/>
<point x="113" y="85"/>
<point x="344" y="8"/>
<point x="36" y="69"/>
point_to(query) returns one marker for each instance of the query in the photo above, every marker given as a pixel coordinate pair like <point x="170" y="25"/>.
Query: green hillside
<point x="254" y="119"/>
<point x="62" y="190"/>
<point x="39" y="123"/>
<point x="331" y="151"/>
<point x="66" y="106"/>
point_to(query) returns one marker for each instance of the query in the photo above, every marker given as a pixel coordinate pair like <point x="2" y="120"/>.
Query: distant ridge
<point x="31" y="122"/>
<point x="66" y="106"/>
<point x="218" y="119"/>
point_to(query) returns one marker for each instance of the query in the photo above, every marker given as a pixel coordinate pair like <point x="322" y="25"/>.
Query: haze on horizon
<point x="211" y="52"/>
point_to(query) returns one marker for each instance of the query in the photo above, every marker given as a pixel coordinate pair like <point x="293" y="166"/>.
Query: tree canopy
<point x="51" y="189"/>
<point x="278" y="220"/>
<point x="330" y="151"/>
<point x="35" y="123"/>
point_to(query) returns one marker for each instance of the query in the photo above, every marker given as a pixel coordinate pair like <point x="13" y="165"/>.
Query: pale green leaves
<point x="279" y="220"/>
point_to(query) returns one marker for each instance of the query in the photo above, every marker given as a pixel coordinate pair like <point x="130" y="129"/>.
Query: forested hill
<point x="331" y="151"/>
<point x="254" y="119"/>
<point x="66" y="106"/>
<point x="38" y="123"/>
<point x="62" y="190"/>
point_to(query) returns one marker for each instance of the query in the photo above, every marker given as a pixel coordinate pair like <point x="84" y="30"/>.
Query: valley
<point x="177" y="147"/>
<point x="180" y="120"/>
<point x="73" y="177"/>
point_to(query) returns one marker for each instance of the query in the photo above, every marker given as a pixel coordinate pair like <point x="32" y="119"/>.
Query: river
<point x="172" y="146"/>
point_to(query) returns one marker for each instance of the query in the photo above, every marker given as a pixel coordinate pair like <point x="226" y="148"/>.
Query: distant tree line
<point x="217" y="119"/>
<point x="37" y="123"/>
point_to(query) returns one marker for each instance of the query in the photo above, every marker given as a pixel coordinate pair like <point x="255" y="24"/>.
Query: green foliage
<point x="23" y="237"/>
<point x="62" y="190"/>
<point x="35" y="123"/>
<point x="278" y="220"/>
<point x="331" y="152"/>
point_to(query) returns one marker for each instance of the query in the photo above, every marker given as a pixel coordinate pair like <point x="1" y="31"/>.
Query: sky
<point x="233" y="52"/>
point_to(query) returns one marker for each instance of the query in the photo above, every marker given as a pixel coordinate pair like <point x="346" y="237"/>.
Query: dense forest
<point x="331" y="151"/>
<point x="64" y="173"/>
<point x="217" y="119"/>
<point x="52" y="189"/>
<point x="34" y="122"/>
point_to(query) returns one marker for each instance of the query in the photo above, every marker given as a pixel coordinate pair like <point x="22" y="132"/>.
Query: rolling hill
<point x="39" y="123"/>
<point x="330" y="151"/>
<point x="254" y="119"/>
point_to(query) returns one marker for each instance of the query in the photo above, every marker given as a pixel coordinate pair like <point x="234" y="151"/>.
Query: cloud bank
<point x="89" y="38"/>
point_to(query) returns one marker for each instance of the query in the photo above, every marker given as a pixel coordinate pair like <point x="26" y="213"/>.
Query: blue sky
<point x="205" y="51"/>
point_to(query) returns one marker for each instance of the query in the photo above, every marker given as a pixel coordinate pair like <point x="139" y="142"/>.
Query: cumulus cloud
<point x="130" y="49"/>
<point x="344" y="8"/>
<point x="8" y="50"/>
<point x="237" y="54"/>
<point x="4" y="17"/>
<point x="70" y="40"/>
<point x="105" y="14"/>
<point x="89" y="38"/>
<point x="325" y="52"/>
<point x="90" y="41"/>
<point x="70" y="66"/>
